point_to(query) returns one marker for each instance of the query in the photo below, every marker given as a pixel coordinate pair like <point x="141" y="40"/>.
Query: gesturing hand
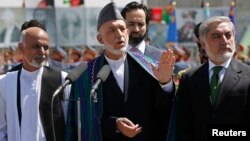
<point x="165" y="68"/>
<point x="127" y="127"/>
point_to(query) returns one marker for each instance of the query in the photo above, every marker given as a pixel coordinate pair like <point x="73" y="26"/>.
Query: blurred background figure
<point x="3" y="67"/>
<point x="58" y="54"/>
<point x="186" y="31"/>
<point x="202" y="53"/>
<point x="75" y="55"/>
<point x="8" y="58"/>
<point x="240" y="55"/>
<point x="18" y="56"/>
<point x="178" y="51"/>
<point x="15" y="57"/>
<point x="10" y="33"/>
<point x="58" y="57"/>
<point x="89" y="54"/>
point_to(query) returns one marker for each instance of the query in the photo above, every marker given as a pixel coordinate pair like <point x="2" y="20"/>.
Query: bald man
<point x="25" y="94"/>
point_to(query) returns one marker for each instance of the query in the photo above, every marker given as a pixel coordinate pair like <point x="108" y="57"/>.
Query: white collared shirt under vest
<point x="31" y="125"/>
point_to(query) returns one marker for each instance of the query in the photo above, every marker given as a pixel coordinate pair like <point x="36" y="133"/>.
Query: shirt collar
<point x="115" y="63"/>
<point x="141" y="46"/>
<point x="224" y="65"/>
<point x="31" y="75"/>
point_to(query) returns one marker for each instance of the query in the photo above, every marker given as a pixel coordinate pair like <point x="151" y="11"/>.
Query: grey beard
<point x="38" y="65"/>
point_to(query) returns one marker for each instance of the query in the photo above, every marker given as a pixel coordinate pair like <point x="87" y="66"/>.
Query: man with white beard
<point x="25" y="94"/>
<point x="131" y="104"/>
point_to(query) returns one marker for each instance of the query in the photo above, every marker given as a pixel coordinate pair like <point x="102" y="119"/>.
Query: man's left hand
<point x="165" y="67"/>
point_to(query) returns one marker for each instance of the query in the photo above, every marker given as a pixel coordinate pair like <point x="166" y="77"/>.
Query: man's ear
<point x="99" y="38"/>
<point x="202" y="42"/>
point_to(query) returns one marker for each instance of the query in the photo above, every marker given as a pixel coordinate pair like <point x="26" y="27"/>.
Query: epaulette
<point x="180" y="73"/>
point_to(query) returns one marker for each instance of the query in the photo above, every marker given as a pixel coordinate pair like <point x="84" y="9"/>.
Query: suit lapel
<point x="126" y="79"/>
<point x="203" y="84"/>
<point x="232" y="76"/>
<point x="111" y="79"/>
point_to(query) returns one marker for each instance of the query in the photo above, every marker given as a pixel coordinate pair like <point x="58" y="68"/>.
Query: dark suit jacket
<point x="143" y="102"/>
<point x="51" y="80"/>
<point x="195" y="112"/>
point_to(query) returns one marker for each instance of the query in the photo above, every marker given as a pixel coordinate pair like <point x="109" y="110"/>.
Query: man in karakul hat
<point x="132" y="104"/>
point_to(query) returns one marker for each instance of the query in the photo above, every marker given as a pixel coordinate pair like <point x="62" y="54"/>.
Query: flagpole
<point x="23" y="5"/>
<point x="207" y="10"/>
<point x="233" y="15"/>
<point x="202" y="3"/>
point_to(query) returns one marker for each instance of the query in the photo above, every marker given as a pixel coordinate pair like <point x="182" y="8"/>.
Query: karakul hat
<point x="108" y="13"/>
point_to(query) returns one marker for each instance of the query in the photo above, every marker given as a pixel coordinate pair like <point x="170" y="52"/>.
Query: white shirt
<point x="141" y="46"/>
<point x="31" y="125"/>
<point x="30" y="87"/>
<point x="117" y="67"/>
<point x="222" y="72"/>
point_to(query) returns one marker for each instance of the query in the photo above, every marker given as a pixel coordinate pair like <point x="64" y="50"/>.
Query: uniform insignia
<point x="180" y="73"/>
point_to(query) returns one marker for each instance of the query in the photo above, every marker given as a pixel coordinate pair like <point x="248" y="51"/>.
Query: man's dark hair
<point x="196" y="33"/>
<point x="134" y="6"/>
<point x="32" y="23"/>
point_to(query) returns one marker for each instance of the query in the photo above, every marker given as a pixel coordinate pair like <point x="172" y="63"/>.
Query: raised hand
<point x="165" y="68"/>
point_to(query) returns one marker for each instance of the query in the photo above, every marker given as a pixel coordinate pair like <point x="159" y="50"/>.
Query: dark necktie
<point x="214" y="86"/>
